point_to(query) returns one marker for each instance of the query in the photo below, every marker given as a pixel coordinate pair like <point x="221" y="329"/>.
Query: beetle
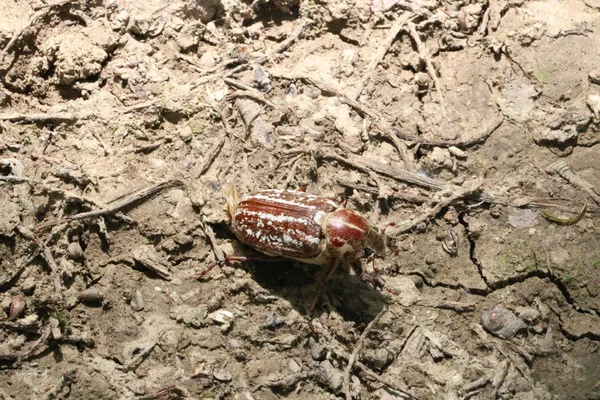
<point x="308" y="228"/>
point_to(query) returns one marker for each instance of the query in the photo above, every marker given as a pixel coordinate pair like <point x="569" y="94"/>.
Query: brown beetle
<point x="308" y="228"/>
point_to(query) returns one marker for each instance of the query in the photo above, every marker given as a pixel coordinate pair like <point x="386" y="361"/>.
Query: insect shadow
<point x="297" y="282"/>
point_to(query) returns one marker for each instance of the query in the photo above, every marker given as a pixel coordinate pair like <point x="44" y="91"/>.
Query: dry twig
<point x="446" y="305"/>
<point x="39" y="117"/>
<point x="483" y="27"/>
<point x="499" y="378"/>
<point x="66" y="195"/>
<point x="149" y="258"/>
<point x="456" y="143"/>
<point x="357" y="348"/>
<point x="562" y="169"/>
<point x="251" y="95"/>
<point x="338" y="349"/>
<point x="65" y="380"/>
<point x="477" y="384"/>
<point x="135" y="361"/>
<point x="219" y="253"/>
<point x="23" y="192"/>
<point x="117" y="205"/>
<point x="286" y="43"/>
<point x="381" y="52"/>
<point x="290" y="176"/>
<point x="48" y="257"/>
<point x="28" y="325"/>
<point x="455" y="194"/>
<point x="41" y="341"/>
<point x="365" y="165"/>
<point x="247" y="91"/>
<point x="211" y="155"/>
<point x="397" y="194"/>
<point x="288" y="381"/>
<point x="15" y="179"/>
<point x="221" y="65"/>
<point x="424" y="55"/>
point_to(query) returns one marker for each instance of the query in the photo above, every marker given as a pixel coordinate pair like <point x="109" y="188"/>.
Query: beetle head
<point x="377" y="241"/>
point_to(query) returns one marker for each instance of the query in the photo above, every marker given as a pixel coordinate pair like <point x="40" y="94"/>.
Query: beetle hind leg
<point x="321" y="289"/>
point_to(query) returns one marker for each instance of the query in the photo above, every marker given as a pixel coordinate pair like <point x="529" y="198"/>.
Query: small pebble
<point x="377" y="359"/>
<point x="207" y="60"/>
<point x="55" y="328"/>
<point x="222" y="316"/>
<point x="188" y="315"/>
<point x="330" y="376"/>
<point x="294" y="366"/>
<point x="235" y="344"/>
<point x="74" y="251"/>
<point x="595" y="75"/>
<point x="183" y="239"/>
<point x="260" y="77"/>
<point x="495" y="213"/>
<point x="456" y="152"/>
<point x="274" y="322"/>
<point x="291" y="90"/>
<point x="311" y="91"/>
<point x="417" y="280"/>
<point x="17" y="307"/>
<point x="91" y="296"/>
<point x="29" y="285"/>
<point x="593" y="103"/>
<point x="501" y="322"/>
<point x="222" y="375"/>
<point x="186" y="134"/>
<point x="137" y="301"/>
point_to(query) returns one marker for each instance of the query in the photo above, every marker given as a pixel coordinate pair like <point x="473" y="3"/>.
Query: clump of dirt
<point x="468" y="131"/>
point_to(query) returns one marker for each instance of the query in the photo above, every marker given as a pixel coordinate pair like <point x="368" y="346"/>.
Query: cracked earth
<point x="469" y="131"/>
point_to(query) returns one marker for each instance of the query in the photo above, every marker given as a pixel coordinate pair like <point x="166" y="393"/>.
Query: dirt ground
<point x="468" y="130"/>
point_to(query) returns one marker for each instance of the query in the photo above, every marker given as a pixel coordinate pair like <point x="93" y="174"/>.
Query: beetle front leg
<point x="375" y="279"/>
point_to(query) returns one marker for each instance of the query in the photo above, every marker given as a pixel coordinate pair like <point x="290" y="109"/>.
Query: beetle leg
<point x="330" y="270"/>
<point x="375" y="279"/>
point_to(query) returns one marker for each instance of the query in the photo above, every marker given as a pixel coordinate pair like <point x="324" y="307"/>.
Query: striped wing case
<point x="282" y="223"/>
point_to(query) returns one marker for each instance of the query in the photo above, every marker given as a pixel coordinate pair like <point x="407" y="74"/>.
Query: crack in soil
<point x="501" y="284"/>
<point x="458" y="286"/>
<point x="474" y="260"/>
